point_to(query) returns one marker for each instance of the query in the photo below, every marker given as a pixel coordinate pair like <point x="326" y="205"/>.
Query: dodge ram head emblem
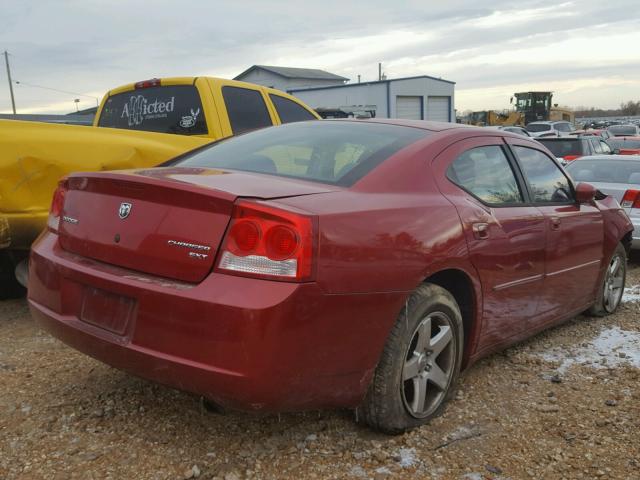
<point x="124" y="210"/>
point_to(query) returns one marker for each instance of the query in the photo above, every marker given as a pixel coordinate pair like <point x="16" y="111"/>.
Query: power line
<point x="59" y="91"/>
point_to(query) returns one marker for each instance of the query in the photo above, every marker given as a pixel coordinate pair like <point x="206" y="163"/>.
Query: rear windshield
<point x="563" y="127"/>
<point x="562" y="148"/>
<point x="335" y="152"/>
<point x="538" y="127"/>
<point x="606" y="171"/>
<point x="623" y="143"/>
<point x="171" y="109"/>
<point x="623" y="130"/>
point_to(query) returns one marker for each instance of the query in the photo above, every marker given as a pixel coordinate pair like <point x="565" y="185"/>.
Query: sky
<point x="587" y="52"/>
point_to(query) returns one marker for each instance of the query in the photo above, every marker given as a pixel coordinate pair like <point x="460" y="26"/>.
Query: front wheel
<point x="419" y="365"/>
<point x="612" y="287"/>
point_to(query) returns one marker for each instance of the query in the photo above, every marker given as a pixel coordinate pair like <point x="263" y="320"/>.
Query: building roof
<point x="290" y="72"/>
<point x="389" y="80"/>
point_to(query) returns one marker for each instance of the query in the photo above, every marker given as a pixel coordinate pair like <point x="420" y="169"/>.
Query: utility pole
<point x="13" y="101"/>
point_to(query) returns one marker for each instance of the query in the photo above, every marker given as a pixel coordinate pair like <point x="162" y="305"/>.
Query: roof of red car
<point x="423" y="124"/>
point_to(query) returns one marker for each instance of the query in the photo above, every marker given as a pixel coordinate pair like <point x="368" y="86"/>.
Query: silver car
<point x="550" y="129"/>
<point x="615" y="175"/>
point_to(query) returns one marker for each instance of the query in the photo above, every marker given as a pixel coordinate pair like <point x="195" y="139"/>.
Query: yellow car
<point x="137" y="125"/>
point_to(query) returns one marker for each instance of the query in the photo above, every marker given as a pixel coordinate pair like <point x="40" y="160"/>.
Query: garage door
<point x="438" y="109"/>
<point x="409" y="108"/>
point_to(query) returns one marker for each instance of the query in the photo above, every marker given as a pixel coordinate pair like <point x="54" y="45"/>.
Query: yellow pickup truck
<point x="137" y="125"/>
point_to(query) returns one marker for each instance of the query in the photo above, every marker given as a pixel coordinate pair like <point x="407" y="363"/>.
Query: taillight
<point x="631" y="199"/>
<point x="57" y="204"/>
<point x="154" y="82"/>
<point x="568" y="158"/>
<point x="264" y="241"/>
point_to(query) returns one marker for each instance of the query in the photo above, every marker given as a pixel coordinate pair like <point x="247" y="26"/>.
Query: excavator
<point x="529" y="107"/>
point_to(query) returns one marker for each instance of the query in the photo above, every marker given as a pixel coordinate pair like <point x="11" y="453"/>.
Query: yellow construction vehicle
<point x="529" y="107"/>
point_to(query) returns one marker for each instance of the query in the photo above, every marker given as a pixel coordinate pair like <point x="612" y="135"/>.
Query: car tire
<point x="420" y="364"/>
<point x="611" y="288"/>
<point x="9" y="285"/>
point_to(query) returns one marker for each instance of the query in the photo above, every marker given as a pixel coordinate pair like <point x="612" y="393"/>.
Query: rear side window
<point x="246" y="109"/>
<point x="290" y="111"/>
<point x="170" y="109"/>
<point x="485" y="172"/>
<point x="547" y="182"/>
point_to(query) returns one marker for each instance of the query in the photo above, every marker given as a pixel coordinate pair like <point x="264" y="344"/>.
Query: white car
<point x="550" y="129"/>
<point x="615" y="175"/>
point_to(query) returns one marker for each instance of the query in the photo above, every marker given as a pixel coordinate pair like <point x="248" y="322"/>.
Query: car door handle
<point x="480" y="230"/>
<point x="555" y="223"/>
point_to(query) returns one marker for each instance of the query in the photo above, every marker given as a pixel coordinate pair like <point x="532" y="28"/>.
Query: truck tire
<point x="420" y="364"/>
<point x="9" y="286"/>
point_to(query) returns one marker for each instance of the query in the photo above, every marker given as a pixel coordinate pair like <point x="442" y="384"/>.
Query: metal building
<point x="285" y="78"/>
<point x="415" y="98"/>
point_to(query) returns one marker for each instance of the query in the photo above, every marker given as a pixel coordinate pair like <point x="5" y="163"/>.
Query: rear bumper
<point x="244" y="343"/>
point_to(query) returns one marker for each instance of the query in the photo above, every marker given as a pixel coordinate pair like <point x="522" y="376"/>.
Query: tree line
<point x="627" y="109"/>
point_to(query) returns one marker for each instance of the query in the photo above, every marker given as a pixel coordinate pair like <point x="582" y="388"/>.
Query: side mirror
<point x="585" y="192"/>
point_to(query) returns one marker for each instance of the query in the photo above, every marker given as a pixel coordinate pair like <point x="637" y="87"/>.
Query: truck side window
<point x="289" y="111"/>
<point x="246" y="109"/>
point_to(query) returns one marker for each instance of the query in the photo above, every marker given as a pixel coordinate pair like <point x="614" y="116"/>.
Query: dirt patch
<point x="523" y="413"/>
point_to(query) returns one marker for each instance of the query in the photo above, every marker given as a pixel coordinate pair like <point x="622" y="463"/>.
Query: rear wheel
<point x="420" y="363"/>
<point x="612" y="286"/>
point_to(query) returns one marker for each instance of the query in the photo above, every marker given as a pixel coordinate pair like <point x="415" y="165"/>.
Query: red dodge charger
<point x="326" y="264"/>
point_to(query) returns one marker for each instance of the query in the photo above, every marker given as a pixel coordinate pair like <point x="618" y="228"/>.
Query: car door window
<point x="547" y="182"/>
<point x="485" y="172"/>
<point x="246" y="109"/>
<point x="595" y="143"/>
<point x="290" y="111"/>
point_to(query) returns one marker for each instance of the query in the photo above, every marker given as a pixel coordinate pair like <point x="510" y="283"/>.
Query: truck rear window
<point x="166" y="109"/>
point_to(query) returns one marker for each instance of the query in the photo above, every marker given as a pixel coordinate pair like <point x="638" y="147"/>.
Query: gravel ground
<point x="565" y="404"/>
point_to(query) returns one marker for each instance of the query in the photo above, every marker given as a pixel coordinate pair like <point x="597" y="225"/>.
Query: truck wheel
<point x="420" y="363"/>
<point x="612" y="287"/>
<point x="9" y="286"/>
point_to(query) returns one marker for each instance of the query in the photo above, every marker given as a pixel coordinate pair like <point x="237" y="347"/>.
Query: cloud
<point x="584" y="51"/>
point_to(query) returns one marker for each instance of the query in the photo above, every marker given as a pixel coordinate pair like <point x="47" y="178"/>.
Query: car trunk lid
<point x="166" y="221"/>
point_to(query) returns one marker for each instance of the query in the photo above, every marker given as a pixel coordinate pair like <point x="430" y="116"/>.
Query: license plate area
<point x="106" y="310"/>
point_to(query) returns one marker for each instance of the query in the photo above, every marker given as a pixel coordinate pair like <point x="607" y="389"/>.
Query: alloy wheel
<point x="429" y="365"/>
<point x="614" y="283"/>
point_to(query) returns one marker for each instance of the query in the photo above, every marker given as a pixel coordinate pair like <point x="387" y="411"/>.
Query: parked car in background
<point x="625" y="145"/>
<point x="137" y="125"/>
<point x="513" y="129"/>
<point x="615" y="175"/>
<point x="624" y="130"/>
<point x="602" y="133"/>
<point x="343" y="263"/>
<point x="567" y="149"/>
<point x="549" y="129"/>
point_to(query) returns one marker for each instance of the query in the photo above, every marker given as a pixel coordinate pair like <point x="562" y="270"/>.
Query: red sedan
<point x="326" y="264"/>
